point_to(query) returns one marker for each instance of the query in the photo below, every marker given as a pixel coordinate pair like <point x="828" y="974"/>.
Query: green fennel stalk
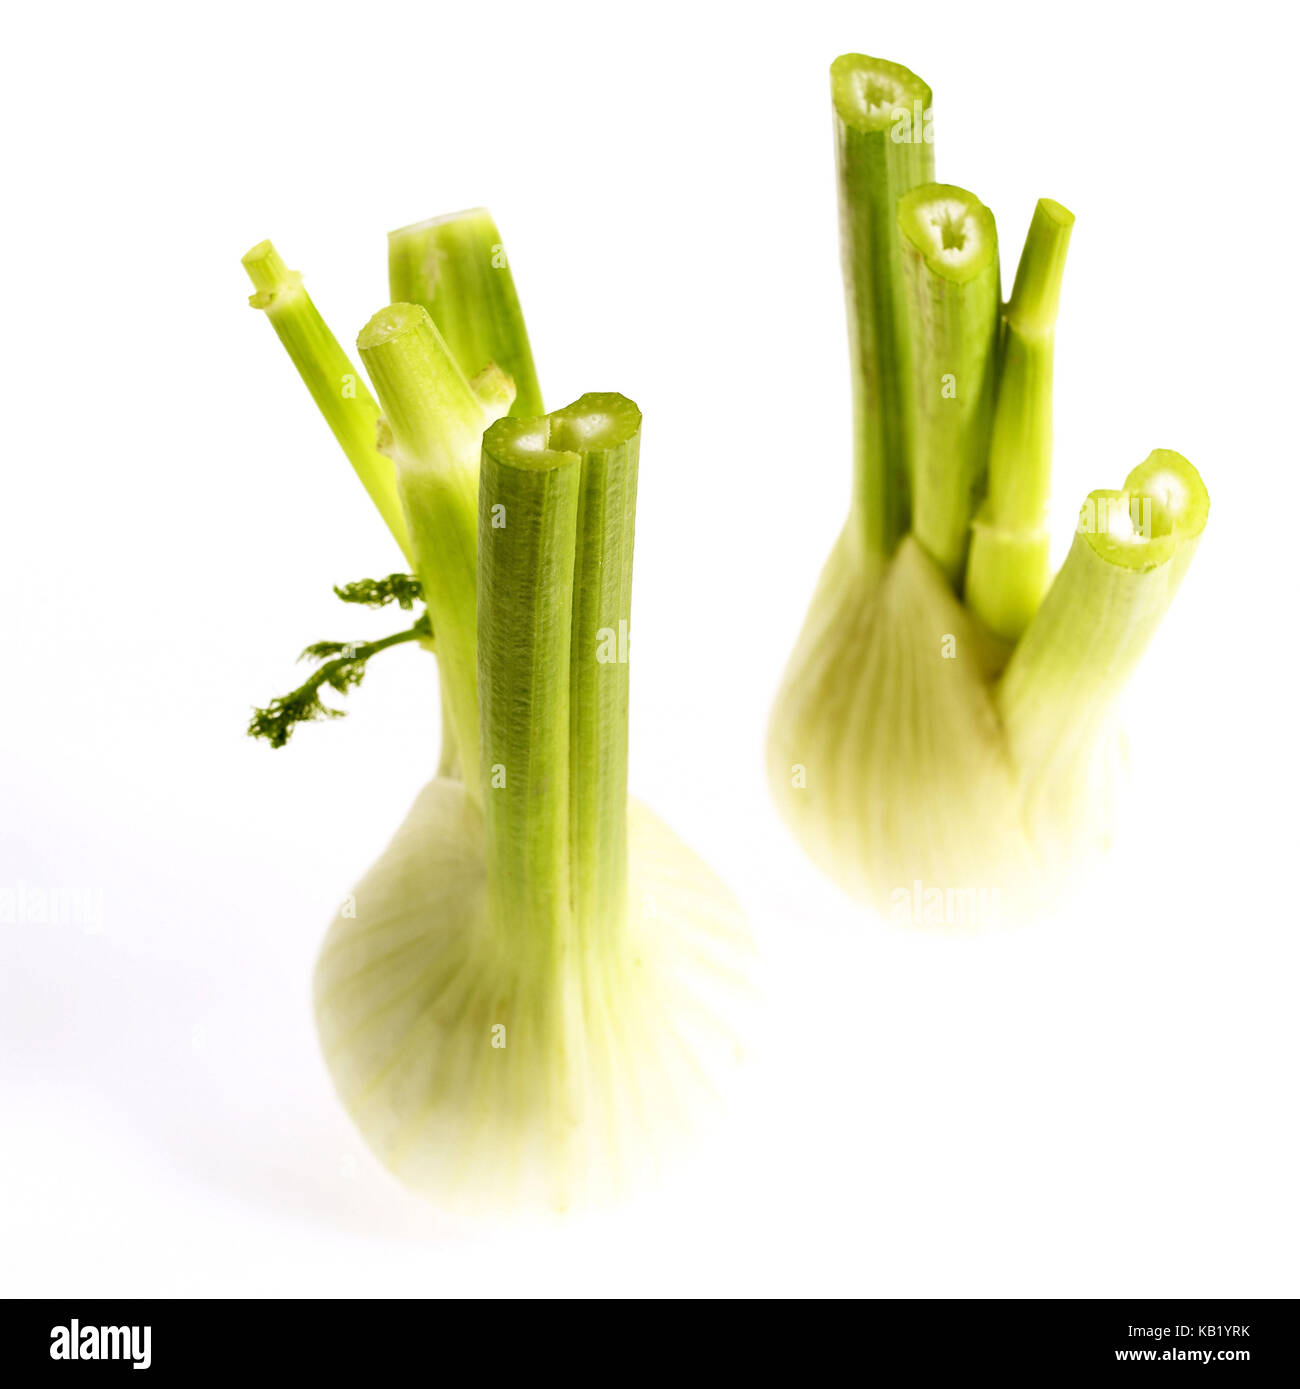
<point x="870" y="99"/>
<point x="335" y="384"/>
<point x="1009" y="548"/>
<point x="436" y="422"/>
<point x="949" y="279"/>
<point x="455" y="268"/>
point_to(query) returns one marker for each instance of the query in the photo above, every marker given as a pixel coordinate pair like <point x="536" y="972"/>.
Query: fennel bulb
<point x="524" y="999"/>
<point x="945" y="726"/>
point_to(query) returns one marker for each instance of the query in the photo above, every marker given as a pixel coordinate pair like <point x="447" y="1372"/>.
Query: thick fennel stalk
<point x="881" y="124"/>
<point x="1058" y="695"/>
<point x="605" y="430"/>
<point x="949" y="249"/>
<point x="1130" y="552"/>
<point x="557" y="506"/>
<point x="436" y="422"/>
<point x="455" y="267"/>
<point x="525" y="629"/>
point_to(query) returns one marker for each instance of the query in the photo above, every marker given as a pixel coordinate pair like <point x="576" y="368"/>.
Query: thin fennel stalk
<point x="335" y="384"/>
<point x="1008" y="570"/>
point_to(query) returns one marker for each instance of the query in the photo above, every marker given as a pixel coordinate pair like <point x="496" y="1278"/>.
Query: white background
<point x="1101" y="1104"/>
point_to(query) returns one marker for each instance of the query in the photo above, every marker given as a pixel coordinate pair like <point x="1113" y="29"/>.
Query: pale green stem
<point x="335" y="384"/>
<point x="556" y="520"/>
<point x="437" y="424"/>
<point x="951" y="299"/>
<point x="1129" y="555"/>
<point x="456" y="268"/>
<point x="883" y="145"/>
<point x="606" y="431"/>
<point x="1008" y="568"/>
<point x="528" y="528"/>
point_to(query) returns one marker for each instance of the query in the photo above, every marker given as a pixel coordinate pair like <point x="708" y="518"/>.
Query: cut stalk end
<point x="596" y="423"/>
<point x="269" y="274"/>
<point x="950" y="229"/>
<point x="435" y="416"/>
<point x="1036" y="296"/>
<point x="393" y="321"/>
<point x="871" y="93"/>
<point x="1176" y="490"/>
<point x="1161" y="510"/>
